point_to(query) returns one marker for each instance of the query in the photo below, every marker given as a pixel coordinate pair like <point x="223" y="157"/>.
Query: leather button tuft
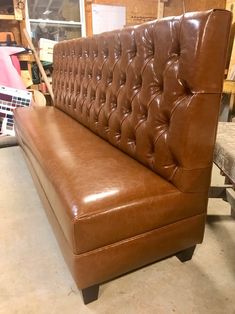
<point x="132" y="141"/>
<point x="188" y="91"/>
<point x="144" y="116"/>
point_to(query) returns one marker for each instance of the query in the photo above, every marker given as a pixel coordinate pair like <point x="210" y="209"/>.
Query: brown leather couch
<point x="123" y="159"/>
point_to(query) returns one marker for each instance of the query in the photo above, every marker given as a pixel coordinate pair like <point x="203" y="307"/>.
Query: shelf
<point x="18" y="13"/>
<point x="7" y="17"/>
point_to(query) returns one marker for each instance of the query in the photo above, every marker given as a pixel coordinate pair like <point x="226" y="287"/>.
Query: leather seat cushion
<point x="99" y="194"/>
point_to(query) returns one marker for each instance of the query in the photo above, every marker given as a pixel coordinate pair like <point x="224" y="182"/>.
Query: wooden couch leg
<point x="233" y="212"/>
<point x="186" y="255"/>
<point x="230" y="193"/>
<point x="90" y="294"/>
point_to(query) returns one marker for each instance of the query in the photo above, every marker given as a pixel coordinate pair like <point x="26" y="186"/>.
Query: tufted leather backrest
<point x="152" y="90"/>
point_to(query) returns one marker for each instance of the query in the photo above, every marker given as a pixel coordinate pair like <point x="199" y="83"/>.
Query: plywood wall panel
<point x="201" y="5"/>
<point x="137" y="11"/>
<point x="177" y="7"/>
<point x="173" y="7"/>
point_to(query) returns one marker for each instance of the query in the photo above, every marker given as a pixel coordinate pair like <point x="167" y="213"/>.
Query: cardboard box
<point x="46" y="49"/>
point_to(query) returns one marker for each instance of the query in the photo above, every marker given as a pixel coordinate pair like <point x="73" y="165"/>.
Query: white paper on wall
<point x="107" y="17"/>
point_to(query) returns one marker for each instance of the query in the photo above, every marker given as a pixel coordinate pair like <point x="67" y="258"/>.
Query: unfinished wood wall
<point x="177" y="7"/>
<point x="139" y="11"/>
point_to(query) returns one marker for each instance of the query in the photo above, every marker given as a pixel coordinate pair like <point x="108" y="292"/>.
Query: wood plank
<point x="88" y="18"/>
<point x="229" y="86"/>
<point x="230" y="5"/>
<point x="7" y="17"/>
<point x="19" y="8"/>
<point x="160" y="9"/>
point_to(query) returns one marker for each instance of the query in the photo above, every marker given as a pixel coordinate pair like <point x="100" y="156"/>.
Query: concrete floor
<point x="35" y="279"/>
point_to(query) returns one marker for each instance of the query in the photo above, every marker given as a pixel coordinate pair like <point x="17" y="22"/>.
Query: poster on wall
<point x="107" y="18"/>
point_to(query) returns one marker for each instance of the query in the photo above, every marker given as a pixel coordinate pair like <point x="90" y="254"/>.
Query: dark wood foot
<point x="186" y="255"/>
<point x="90" y="294"/>
<point x="233" y="212"/>
<point x="231" y="199"/>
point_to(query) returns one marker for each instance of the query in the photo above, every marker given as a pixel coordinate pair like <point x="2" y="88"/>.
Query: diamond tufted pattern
<point x="152" y="91"/>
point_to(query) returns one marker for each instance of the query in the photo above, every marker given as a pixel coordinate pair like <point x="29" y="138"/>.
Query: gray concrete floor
<point x="35" y="279"/>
